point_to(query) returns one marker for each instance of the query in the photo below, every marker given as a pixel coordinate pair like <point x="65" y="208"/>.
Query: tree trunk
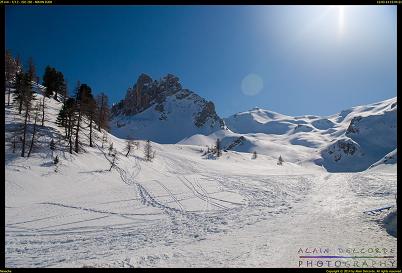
<point x="8" y="97"/>
<point x="43" y="110"/>
<point x="25" y="130"/>
<point x="78" y="129"/>
<point x="20" y="106"/>
<point x="14" y="145"/>
<point x="100" y="115"/>
<point x="69" y="127"/>
<point x="65" y="130"/>
<point x="90" y="131"/>
<point x="70" y="142"/>
<point x="33" y="135"/>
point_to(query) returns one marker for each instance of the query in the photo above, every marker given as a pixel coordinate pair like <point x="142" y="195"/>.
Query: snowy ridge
<point x="351" y="140"/>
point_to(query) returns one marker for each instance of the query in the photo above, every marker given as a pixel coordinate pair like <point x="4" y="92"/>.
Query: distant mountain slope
<point x="371" y="134"/>
<point x="351" y="140"/>
<point x="261" y="121"/>
<point x="163" y="111"/>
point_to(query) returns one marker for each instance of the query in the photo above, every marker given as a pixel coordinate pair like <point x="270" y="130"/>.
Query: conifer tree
<point x="148" y="151"/>
<point x="52" y="145"/>
<point x="43" y="108"/>
<point x="66" y="119"/>
<point x="218" y="148"/>
<point x="130" y="146"/>
<point x="26" y="98"/>
<point x="31" y="70"/>
<point x="111" y="148"/>
<point x="10" y="73"/>
<point x="54" y="82"/>
<point x="104" y="139"/>
<point x="84" y="98"/>
<point x="36" y="114"/>
<point x="20" y="86"/>
<point x="280" y="160"/>
<point x="103" y="111"/>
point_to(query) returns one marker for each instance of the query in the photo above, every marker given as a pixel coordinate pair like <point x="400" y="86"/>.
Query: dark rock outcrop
<point x="342" y="147"/>
<point x="208" y="112"/>
<point x="145" y="93"/>
<point x="235" y="143"/>
<point x="353" y="126"/>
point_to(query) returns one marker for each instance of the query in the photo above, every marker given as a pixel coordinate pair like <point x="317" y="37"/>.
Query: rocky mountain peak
<point x="145" y="93"/>
<point x="159" y="103"/>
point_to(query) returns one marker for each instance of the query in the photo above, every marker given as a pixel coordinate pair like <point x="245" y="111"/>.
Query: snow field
<point x="182" y="209"/>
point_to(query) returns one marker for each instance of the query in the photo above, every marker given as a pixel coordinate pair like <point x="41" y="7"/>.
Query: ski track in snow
<point x="293" y="210"/>
<point x="184" y="210"/>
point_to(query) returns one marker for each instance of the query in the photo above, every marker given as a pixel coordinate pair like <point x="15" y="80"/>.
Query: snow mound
<point x="390" y="223"/>
<point x="323" y="124"/>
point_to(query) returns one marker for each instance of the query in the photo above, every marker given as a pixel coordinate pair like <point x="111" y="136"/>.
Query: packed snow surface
<point x="185" y="209"/>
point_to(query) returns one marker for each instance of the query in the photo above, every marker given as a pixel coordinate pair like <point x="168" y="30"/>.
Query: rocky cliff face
<point x="163" y="111"/>
<point x="145" y="93"/>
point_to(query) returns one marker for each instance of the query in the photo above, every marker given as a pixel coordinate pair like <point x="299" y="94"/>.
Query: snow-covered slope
<point x="163" y="111"/>
<point x="371" y="134"/>
<point x="260" y="121"/>
<point x="265" y="144"/>
<point x="182" y="209"/>
<point x="390" y="158"/>
<point x="351" y="140"/>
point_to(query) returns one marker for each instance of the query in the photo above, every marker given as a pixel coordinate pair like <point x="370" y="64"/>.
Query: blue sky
<point x="294" y="60"/>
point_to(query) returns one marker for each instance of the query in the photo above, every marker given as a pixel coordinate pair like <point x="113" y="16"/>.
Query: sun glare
<point x="341" y="18"/>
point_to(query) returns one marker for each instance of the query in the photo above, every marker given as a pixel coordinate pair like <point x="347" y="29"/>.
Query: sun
<point x="341" y="19"/>
<point x="340" y="13"/>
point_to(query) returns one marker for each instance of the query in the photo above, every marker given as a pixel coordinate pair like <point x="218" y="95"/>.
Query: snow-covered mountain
<point x="163" y="111"/>
<point x="351" y="140"/>
<point x="370" y="136"/>
<point x="183" y="209"/>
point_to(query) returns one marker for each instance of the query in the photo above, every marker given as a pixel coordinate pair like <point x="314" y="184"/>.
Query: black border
<point x="208" y="2"/>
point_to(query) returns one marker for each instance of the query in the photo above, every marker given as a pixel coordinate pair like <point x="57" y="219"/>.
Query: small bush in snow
<point x="280" y="160"/>
<point x="130" y="146"/>
<point x="56" y="160"/>
<point x="113" y="160"/>
<point x="110" y="149"/>
<point x="52" y="145"/>
<point x="104" y="139"/>
<point x="254" y="155"/>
